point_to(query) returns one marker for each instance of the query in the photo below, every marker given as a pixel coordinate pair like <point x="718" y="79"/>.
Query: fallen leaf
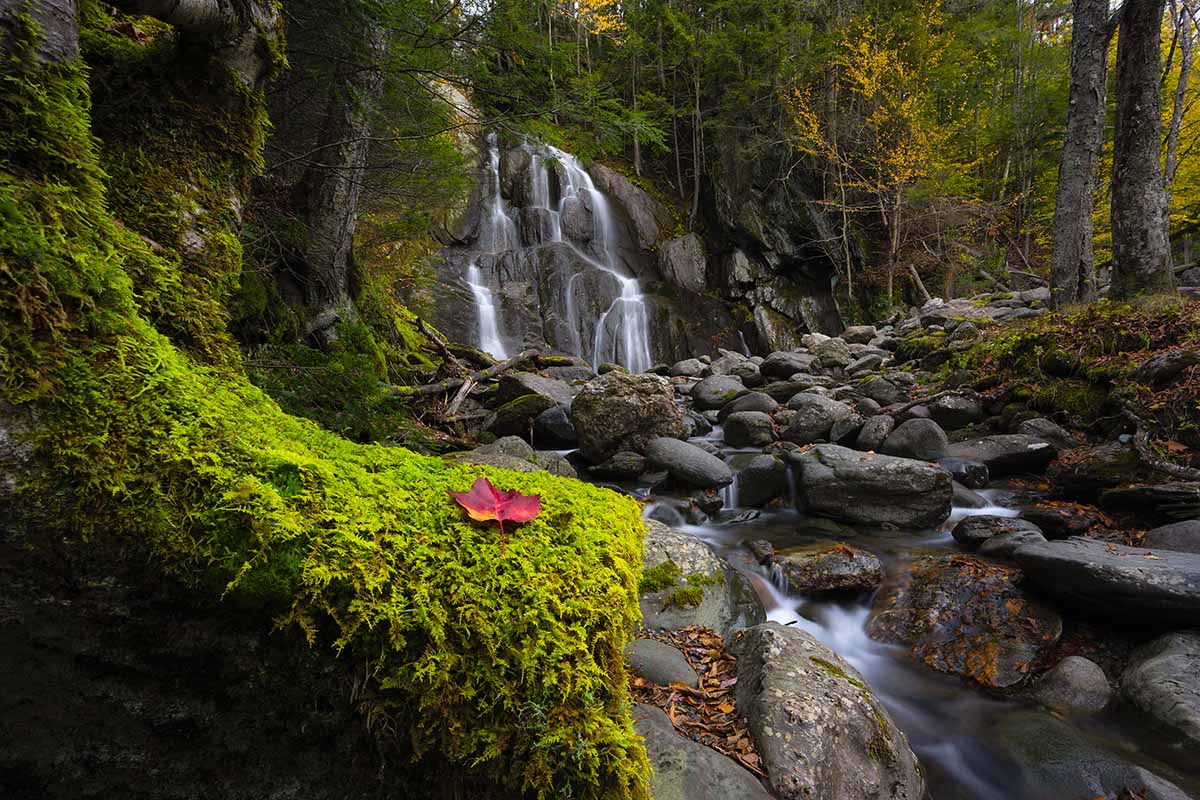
<point x="484" y="503"/>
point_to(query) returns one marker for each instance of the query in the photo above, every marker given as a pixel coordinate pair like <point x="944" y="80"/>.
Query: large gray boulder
<point x="687" y="770"/>
<point x="917" y="438"/>
<point x="682" y="263"/>
<point x="833" y="353"/>
<point x="1163" y="681"/>
<point x="785" y="364"/>
<point x="623" y="411"/>
<point x="874" y="489"/>
<point x="688" y="463"/>
<point x="955" y="411"/>
<point x="874" y="432"/>
<point x="825" y="567"/>
<point x="725" y="598"/>
<point x="762" y="479"/>
<point x="715" y="391"/>
<point x="749" y="429"/>
<point x="966" y="616"/>
<point x="1006" y="454"/>
<point x="1146" y="587"/>
<point x="882" y="391"/>
<point x="750" y="401"/>
<point x="974" y="530"/>
<point x="814" y="418"/>
<point x="516" y="384"/>
<point x="820" y="731"/>
<point x="659" y="662"/>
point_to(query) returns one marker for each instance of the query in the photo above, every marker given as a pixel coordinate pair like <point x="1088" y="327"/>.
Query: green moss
<point x="837" y="672"/>
<point x="684" y="597"/>
<point x="153" y="446"/>
<point x="659" y="578"/>
<point x="918" y="346"/>
<point x="701" y="580"/>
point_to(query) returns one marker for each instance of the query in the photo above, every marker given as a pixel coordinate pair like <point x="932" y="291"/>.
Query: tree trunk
<point x="330" y="189"/>
<point x="1073" y="272"/>
<point x="1182" y="14"/>
<point x="58" y="29"/>
<point x="1139" y="221"/>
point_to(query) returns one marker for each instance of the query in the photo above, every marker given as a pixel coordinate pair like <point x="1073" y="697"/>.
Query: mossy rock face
<point x="918" y="346"/>
<point x="505" y="660"/>
<point x="515" y="417"/>
<point x="1079" y="398"/>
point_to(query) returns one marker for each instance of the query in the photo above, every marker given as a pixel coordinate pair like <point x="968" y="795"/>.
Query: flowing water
<point x="568" y="212"/>
<point x="952" y="726"/>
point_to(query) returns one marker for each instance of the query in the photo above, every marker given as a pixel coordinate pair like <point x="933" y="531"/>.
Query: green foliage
<point x="659" y="577"/>
<point x="512" y="666"/>
<point x="684" y="597"/>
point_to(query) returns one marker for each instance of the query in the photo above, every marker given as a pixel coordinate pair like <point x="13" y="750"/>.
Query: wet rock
<point x="867" y="407"/>
<point x="553" y="429"/>
<point x="660" y="663"/>
<point x="974" y="530"/>
<point x="555" y="464"/>
<point x="1159" y="502"/>
<point x="882" y="391"/>
<point x="1183" y="537"/>
<point x="1062" y="521"/>
<point x="955" y="411"/>
<point x="814" y="418"/>
<point x="682" y="263"/>
<point x="696" y="424"/>
<point x="873" y="489"/>
<point x="1082" y="473"/>
<point x="750" y="401"/>
<point x="620" y="411"/>
<point x="820" y="731"/>
<point x="749" y="373"/>
<point x="971" y="474"/>
<point x="762" y="550"/>
<point x="518" y="384"/>
<point x="1162" y="680"/>
<point x="515" y="418"/>
<point x="1074" y="685"/>
<point x="688" y="368"/>
<point x="715" y="391"/>
<point x="782" y="391"/>
<point x="687" y="770"/>
<point x="859" y="334"/>
<point x="1138" y="585"/>
<point x="1165" y="366"/>
<point x="688" y="463"/>
<point x="650" y="219"/>
<point x="874" y="431"/>
<point x="1052" y="432"/>
<point x="1003" y="545"/>
<point x="1006" y="454"/>
<point x="624" y="465"/>
<point x="965" y="616"/>
<point x="721" y="605"/>
<point x="1063" y="764"/>
<point x="762" y="480"/>
<point x="749" y="429"/>
<point x="968" y="498"/>
<point x="785" y="364"/>
<point x="830" y="567"/>
<point x="918" y="438"/>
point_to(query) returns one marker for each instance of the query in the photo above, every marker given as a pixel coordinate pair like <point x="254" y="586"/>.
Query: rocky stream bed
<point x="938" y="597"/>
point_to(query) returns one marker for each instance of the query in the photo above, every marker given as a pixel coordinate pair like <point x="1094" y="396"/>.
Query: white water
<point x="489" y="331"/>
<point x="622" y="331"/>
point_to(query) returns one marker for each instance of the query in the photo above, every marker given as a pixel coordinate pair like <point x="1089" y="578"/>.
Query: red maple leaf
<point x="485" y="503"/>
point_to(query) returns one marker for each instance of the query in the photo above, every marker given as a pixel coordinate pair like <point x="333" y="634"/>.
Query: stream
<point x="955" y="729"/>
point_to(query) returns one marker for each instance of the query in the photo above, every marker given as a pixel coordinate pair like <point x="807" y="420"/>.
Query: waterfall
<point x="489" y="331"/>
<point x="622" y="331"/>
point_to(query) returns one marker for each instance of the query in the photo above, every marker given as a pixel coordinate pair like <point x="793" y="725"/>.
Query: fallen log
<point x="454" y="383"/>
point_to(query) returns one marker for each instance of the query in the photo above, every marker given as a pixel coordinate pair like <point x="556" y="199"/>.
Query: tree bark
<point x="58" y="29"/>
<point x="1073" y="271"/>
<point x="329" y="192"/>
<point x="1141" y="263"/>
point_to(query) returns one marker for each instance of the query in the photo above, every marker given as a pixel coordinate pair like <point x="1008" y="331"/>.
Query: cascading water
<point x="489" y="330"/>
<point x="621" y="331"/>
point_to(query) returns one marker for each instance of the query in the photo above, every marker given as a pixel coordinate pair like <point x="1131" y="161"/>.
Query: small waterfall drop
<point x="489" y="331"/>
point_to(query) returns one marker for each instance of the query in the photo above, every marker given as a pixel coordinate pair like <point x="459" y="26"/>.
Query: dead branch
<point x="1141" y="442"/>
<point x="454" y="383"/>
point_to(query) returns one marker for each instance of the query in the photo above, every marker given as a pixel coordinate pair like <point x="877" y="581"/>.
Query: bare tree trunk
<point x="697" y="150"/>
<point x="1073" y="272"/>
<point x="57" y="28"/>
<point x="330" y="190"/>
<point x="1140" y="246"/>
<point x="1182" y="16"/>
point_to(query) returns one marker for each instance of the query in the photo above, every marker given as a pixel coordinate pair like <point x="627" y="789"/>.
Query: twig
<point x="463" y="391"/>
<point x="1141" y="442"/>
<point x="449" y="385"/>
